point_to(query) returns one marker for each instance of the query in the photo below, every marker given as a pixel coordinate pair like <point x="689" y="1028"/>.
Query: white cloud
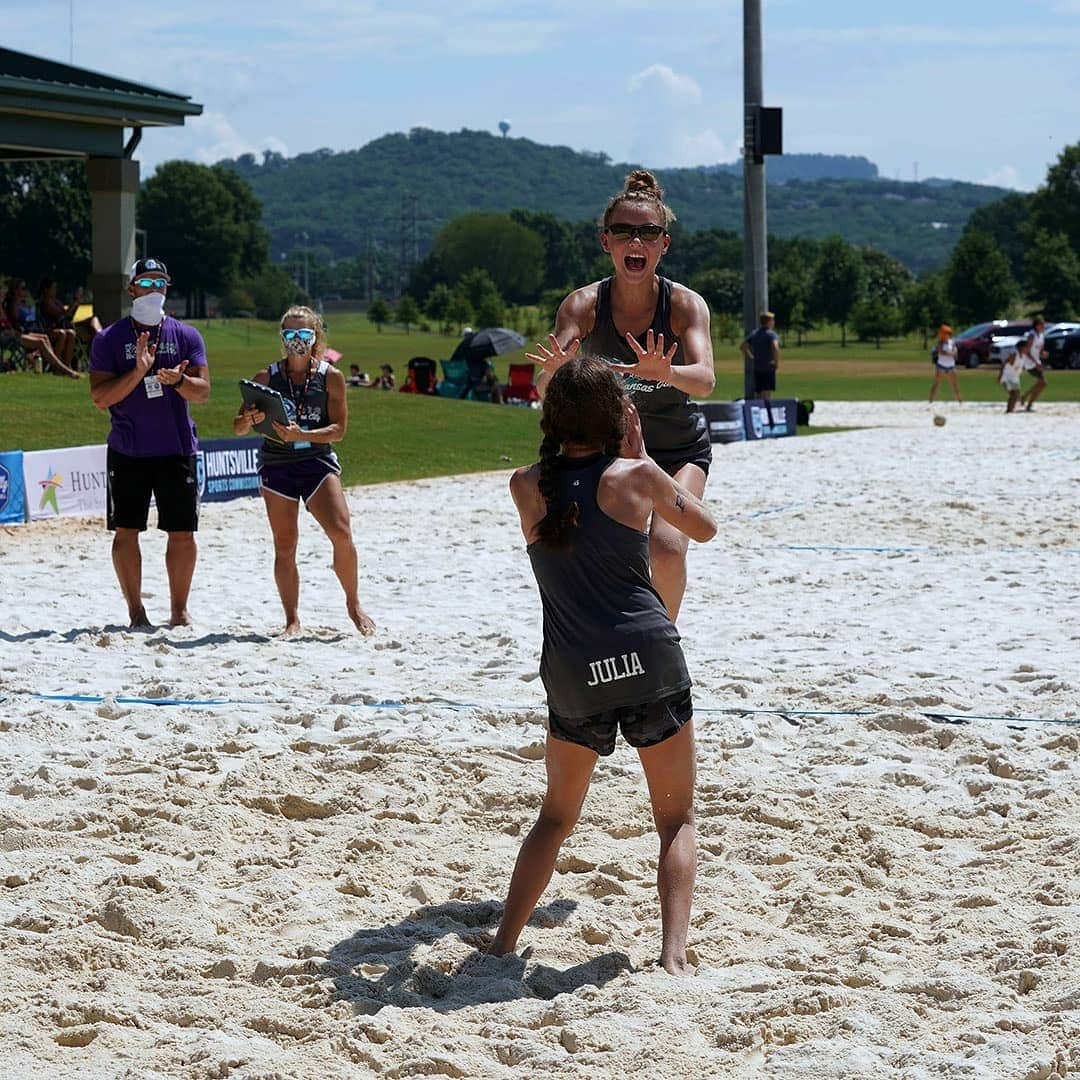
<point x="672" y="88"/>
<point x="1006" y="176"/>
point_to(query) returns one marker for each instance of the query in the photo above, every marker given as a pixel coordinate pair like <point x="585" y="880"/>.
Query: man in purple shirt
<point x="145" y="369"/>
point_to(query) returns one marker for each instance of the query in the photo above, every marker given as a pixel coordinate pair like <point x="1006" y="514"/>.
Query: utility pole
<point x="755" y="252"/>
<point x="305" y="238"/>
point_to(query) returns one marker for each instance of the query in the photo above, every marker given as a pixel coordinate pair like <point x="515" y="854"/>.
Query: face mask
<point x="148" y="310"/>
<point x="298" y="347"/>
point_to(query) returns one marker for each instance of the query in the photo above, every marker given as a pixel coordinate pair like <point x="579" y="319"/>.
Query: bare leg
<point x="127" y="562"/>
<point x="955" y="386"/>
<point x="569" y="770"/>
<point x="40" y="343"/>
<point x="667" y="547"/>
<point x="329" y="508"/>
<point x="1014" y="396"/>
<point x="283" y="514"/>
<point x="934" y="386"/>
<point x="1033" y="393"/>
<point x="180" y="555"/>
<point x="669" y="770"/>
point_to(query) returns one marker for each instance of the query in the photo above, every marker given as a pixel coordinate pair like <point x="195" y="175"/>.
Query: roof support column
<point x="114" y="187"/>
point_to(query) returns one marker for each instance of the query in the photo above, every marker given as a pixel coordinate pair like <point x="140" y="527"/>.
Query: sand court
<point x="294" y="882"/>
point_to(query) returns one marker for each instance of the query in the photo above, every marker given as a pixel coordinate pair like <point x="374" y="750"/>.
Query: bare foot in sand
<point x="292" y="629"/>
<point x="680" y="968"/>
<point x="181" y="618"/>
<point x="362" y="621"/>
<point x="140" y="620"/>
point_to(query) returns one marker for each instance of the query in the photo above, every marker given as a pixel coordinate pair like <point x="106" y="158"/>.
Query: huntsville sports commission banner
<point x="773" y="420"/>
<point x="228" y="468"/>
<point x="65" y="483"/>
<point x="12" y="488"/>
<point x="71" y="482"/>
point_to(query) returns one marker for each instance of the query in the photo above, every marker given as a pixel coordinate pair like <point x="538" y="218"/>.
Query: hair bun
<point x="641" y="181"/>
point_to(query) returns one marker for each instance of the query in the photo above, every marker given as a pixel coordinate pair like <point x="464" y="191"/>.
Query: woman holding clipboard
<point x="297" y="461"/>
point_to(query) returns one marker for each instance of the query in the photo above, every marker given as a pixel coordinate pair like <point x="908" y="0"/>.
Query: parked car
<point x="1063" y="346"/>
<point x="1003" y="345"/>
<point x="973" y="344"/>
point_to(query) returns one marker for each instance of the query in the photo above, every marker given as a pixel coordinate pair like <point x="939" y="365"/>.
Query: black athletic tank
<point x="608" y="641"/>
<point x="307" y="408"/>
<point x="673" y="426"/>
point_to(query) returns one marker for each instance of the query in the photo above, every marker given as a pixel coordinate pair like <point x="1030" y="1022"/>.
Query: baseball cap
<point x="150" y="267"/>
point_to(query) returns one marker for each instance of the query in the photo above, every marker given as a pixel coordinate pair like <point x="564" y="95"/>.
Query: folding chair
<point x="521" y="390"/>
<point x="455" y="378"/>
<point x="420" y="377"/>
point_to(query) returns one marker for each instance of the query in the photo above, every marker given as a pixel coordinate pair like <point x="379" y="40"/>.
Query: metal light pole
<point x="755" y="251"/>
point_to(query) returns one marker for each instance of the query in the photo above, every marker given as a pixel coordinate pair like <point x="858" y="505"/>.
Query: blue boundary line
<point x="444" y="703"/>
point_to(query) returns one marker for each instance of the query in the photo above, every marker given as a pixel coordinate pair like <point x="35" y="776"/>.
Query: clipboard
<point x="267" y="401"/>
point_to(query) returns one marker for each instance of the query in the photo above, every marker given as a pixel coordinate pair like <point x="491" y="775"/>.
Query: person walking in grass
<point x="945" y="363"/>
<point x="655" y="334"/>
<point x="611" y="656"/>
<point x="298" y="462"/>
<point x="146" y="370"/>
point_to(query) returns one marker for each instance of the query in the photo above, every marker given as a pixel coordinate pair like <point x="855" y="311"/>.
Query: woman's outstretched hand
<point x="553" y="358"/>
<point x="653" y="364"/>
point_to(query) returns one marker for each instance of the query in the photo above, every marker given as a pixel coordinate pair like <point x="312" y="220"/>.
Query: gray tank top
<point x="673" y="426"/>
<point x="608" y="641"/>
<point x="306" y="404"/>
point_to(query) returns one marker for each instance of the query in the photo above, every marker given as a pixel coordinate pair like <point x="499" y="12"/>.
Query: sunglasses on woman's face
<point x="649" y="233"/>
<point x="303" y="335"/>
<point x="150" y="282"/>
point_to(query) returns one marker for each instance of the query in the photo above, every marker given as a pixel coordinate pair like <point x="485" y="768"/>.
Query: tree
<point x="978" y="283"/>
<point x="459" y="313"/>
<point x="874" y="319"/>
<point x="1055" y="206"/>
<point x="247" y="217"/>
<point x="837" y="283"/>
<point x="45" y="222"/>
<point x="1007" y="221"/>
<point x="887" y="279"/>
<point x="437" y="306"/>
<point x="407" y="311"/>
<point x="201" y="227"/>
<point x="378" y="312"/>
<point x="722" y="290"/>
<point x="491" y="311"/>
<point x="564" y="257"/>
<point x="926" y="306"/>
<point x="1052" y="274"/>
<point x="789" y="290"/>
<point x="272" y="291"/>
<point x="511" y="254"/>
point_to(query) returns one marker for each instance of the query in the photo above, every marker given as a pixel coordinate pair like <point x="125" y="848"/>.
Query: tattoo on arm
<point x="680" y="502"/>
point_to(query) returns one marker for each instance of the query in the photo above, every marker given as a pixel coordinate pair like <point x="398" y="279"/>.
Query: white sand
<point x="292" y="888"/>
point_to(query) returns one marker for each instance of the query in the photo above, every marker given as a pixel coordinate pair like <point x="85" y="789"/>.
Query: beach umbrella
<point x="494" y="341"/>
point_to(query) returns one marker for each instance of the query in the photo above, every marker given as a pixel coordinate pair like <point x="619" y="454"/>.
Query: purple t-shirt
<point x="151" y="421"/>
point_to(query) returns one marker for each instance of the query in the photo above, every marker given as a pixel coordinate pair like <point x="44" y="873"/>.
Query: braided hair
<point x="584" y="404"/>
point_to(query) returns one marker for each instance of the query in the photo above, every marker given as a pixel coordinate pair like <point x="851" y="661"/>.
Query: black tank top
<point x="608" y="641"/>
<point x="306" y="407"/>
<point x="673" y="426"/>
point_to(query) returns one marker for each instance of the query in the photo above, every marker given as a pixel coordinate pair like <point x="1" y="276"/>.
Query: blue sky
<point x="984" y="91"/>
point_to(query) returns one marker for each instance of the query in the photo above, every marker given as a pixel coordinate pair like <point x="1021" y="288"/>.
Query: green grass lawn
<point x="401" y="436"/>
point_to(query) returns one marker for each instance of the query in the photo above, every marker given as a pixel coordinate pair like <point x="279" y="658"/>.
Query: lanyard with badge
<point x="151" y="383"/>
<point x="297" y="400"/>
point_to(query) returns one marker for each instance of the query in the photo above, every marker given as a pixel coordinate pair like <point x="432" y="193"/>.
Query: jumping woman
<point x="300" y="464"/>
<point x="611" y="655"/>
<point x="655" y="333"/>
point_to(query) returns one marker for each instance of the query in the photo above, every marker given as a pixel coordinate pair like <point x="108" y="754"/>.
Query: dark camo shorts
<point x="641" y="725"/>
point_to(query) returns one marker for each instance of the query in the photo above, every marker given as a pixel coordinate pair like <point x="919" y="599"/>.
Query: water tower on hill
<point x="504" y="127"/>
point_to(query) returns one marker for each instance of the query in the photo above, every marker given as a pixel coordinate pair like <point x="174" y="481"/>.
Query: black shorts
<point x="171" y="480"/>
<point x="641" y="725"/>
<point x="671" y="461"/>
<point x="764" y="379"/>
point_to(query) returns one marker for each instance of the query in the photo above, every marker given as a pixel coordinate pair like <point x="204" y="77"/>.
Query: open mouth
<point x="635" y="263"/>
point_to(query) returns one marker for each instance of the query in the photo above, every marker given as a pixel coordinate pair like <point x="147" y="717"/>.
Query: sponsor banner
<point x="770" y="420"/>
<point x="726" y="420"/>
<point x="12" y="489"/>
<point x="227" y="468"/>
<point x="65" y="483"/>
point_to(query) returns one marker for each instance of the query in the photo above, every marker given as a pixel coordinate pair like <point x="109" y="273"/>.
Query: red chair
<point x="521" y="390"/>
<point x="420" y="377"/>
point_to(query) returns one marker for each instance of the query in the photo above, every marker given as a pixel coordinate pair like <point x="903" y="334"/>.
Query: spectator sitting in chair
<point x="385" y="379"/>
<point x="22" y="312"/>
<point x="55" y="315"/>
<point x="482" y="378"/>
<point x="358" y="377"/>
<point x="32" y="342"/>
